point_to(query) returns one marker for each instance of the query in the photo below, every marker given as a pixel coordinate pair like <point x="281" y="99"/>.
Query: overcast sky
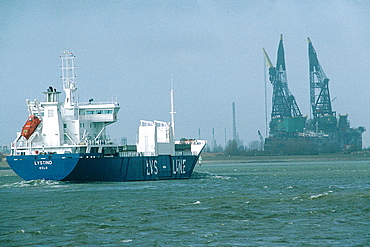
<point x="127" y="50"/>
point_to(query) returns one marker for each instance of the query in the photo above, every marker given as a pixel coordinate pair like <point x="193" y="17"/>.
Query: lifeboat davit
<point x="30" y="126"/>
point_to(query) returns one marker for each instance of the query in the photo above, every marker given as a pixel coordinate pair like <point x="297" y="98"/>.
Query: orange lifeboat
<point x="30" y="126"/>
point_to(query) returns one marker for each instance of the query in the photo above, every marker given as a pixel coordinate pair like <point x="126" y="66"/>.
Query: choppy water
<point x="224" y="204"/>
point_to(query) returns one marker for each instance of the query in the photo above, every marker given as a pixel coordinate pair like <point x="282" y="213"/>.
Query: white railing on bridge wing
<point x="98" y="103"/>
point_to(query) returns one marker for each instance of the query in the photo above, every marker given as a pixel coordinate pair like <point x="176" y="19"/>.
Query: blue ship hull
<point x="97" y="167"/>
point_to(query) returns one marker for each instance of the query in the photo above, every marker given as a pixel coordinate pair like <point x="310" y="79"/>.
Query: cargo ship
<point x="67" y="141"/>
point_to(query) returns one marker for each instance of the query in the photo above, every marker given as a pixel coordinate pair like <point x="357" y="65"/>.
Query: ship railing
<point x="98" y="103"/>
<point x="66" y="117"/>
<point x="147" y="153"/>
<point x="99" y="142"/>
<point x="184" y="153"/>
<point x="128" y="154"/>
<point x="19" y="144"/>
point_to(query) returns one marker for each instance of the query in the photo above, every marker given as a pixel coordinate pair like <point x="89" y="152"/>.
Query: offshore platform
<point x="290" y="131"/>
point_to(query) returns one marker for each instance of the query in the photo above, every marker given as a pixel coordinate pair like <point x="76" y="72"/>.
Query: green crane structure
<point x="322" y="113"/>
<point x="286" y="118"/>
<point x="338" y="131"/>
<point x="290" y="133"/>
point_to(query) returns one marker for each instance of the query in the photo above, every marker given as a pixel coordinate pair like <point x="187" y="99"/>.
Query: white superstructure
<point x="70" y="127"/>
<point x="67" y="126"/>
<point x="155" y="138"/>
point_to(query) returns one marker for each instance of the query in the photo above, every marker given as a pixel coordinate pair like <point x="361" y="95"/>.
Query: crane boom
<point x="283" y="102"/>
<point x="322" y="111"/>
<point x="268" y="61"/>
<point x="286" y="118"/>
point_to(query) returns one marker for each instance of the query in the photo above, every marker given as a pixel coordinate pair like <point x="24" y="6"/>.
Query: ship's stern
<point x="44" y="166"/>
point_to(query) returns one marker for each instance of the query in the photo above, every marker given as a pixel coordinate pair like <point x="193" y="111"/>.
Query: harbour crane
<point x="322" y="112"/>
<point x="285" y="115"/>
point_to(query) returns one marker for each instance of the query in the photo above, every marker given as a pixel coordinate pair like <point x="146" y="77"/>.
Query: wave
<point x="202" y="175"/>
<point x="320" y="195"/>
<point x="223" y="177"/>
<point x="33" y="183"/>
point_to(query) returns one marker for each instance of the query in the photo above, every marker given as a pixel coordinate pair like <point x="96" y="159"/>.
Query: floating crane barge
<point x="292" y="133"/>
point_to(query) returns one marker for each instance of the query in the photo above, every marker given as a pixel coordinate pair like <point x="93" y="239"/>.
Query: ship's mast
<point x="68" y="76"/>
<point x="172" y="112"/>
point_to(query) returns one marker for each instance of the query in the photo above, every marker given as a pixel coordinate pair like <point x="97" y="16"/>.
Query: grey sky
<point x="129" y="49"/>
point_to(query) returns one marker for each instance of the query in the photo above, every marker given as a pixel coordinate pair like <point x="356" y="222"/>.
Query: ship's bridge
<point x="99" y="112"/>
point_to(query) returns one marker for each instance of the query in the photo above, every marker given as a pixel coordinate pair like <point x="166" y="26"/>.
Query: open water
<point x="224" y="204"/>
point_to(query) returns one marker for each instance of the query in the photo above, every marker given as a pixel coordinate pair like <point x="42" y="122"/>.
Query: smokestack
<point x="234" y="123"/>
<point x="213" y="139"/>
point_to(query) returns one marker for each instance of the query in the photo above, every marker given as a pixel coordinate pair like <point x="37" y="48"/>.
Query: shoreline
<point x="356" y="156"/>
<point x="217" y="157"/>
